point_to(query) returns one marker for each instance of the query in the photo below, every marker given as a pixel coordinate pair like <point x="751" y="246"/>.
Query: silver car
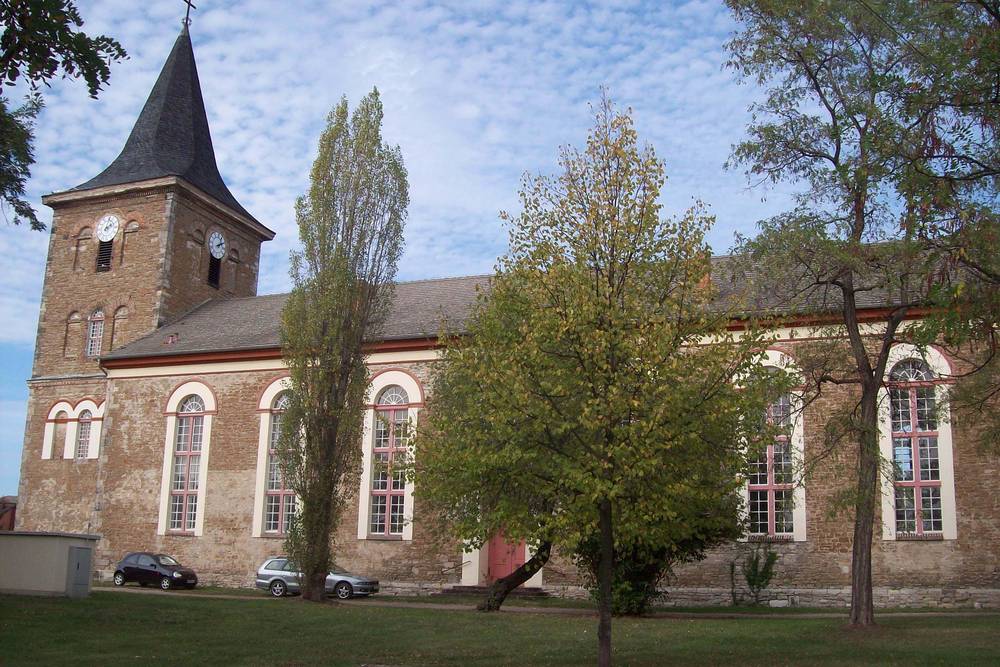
<point x="280" y="577"/>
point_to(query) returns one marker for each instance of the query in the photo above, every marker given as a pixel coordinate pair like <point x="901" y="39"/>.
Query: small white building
<point x="35" y="563"/>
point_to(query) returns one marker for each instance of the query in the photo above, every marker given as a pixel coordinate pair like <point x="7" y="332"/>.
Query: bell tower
<point x="153" y="235"/>
<point x="150" y="237"/>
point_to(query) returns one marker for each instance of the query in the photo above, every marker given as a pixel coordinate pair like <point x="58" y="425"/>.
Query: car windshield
<point x="166" y="560"/>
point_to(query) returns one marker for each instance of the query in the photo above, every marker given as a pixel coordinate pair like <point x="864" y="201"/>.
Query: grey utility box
<point x="46" y="563"/>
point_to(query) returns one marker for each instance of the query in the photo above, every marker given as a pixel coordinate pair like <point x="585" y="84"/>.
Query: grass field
<point x="116" y="628"/>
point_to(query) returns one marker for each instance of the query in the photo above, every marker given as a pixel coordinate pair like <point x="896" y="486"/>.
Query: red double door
<point x="504" y="557"/>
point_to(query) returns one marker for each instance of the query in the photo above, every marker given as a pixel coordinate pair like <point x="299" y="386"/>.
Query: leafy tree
<point x="896" y="150"/>
<point x="581" y="402"/>
<point x="956" y="60"/>
<point x="639" y="569"/>
<point x="40" y="41"/>
<point x="351" y="230"/>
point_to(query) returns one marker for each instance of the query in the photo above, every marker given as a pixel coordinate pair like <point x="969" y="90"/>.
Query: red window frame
<point x="778" y="412"/>
<point x="388" y="487"/>
<point x="95" y="333"/>
<point x="913" y="436"/>
<point x="83" y="425"/>
<point x="276" y="490"/>
<point x="185" y="472"/>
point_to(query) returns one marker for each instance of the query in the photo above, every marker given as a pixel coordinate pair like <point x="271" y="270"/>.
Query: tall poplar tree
<point x="351" y="229"/>
<point x="582" y="401"/>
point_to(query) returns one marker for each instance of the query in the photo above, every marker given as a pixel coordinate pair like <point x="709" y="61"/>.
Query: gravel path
<point x="561" y="611"/>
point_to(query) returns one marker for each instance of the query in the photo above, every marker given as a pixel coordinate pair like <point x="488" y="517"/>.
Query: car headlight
<point x="178" y="575"/>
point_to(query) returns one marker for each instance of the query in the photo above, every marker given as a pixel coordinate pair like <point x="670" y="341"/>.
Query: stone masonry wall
<point x="131" y="463"/>
<point x="72" y="283"/>
<point x="185" y="275"/>
<point x="57" y="495"/>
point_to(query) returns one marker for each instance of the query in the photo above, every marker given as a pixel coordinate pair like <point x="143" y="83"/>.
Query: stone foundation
<point x="935" y="598"/>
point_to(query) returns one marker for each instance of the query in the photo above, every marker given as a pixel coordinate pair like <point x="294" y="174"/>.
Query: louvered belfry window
<point x="104" y="251"/>
<point x="214" y="268"/>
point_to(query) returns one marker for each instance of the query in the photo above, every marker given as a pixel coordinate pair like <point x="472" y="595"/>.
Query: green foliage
<point x="40" y="41"/>
<point x="638" y="571"/>
<point x="885" y="113"/>
<point x="758" y="570"/>
<point x="17" y="156"/>
<point x="583" y="382"/>
<point x="351" y="229"/>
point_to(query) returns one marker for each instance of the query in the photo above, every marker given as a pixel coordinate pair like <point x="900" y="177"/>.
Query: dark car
<point x="157" y="569"/>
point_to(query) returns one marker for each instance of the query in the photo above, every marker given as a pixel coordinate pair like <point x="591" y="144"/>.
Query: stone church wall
<point x="124" y="484"/>
<point x="72" y="283"/>
<point x="56" y="494"/>
<point x="185" y="283"/>
<point x="960" y="572"/>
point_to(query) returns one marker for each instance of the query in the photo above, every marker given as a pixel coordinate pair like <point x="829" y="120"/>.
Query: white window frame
<point x="173" y="403"/>
<point x="797" y="439"/>
<point x="415" y="393"/>
<point x="263" y="447"/>
<point x="942" y="370"/>
<point x="67" y="448"/>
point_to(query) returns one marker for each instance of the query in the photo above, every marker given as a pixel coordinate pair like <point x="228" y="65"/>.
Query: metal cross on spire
<point x="187" y="12"/>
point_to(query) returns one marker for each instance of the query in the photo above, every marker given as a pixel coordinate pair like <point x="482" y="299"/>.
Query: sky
<point x="476" y="93"/>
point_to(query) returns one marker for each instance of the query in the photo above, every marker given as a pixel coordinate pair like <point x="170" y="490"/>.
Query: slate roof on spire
<point x="171" y="136"/>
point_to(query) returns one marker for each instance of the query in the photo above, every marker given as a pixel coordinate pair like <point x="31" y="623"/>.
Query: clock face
<point x="107" y="227"/>
<point x="217" y="245"/>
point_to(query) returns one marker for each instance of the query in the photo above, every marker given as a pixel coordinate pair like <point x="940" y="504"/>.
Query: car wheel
<point x="165" y="583"/>
<point x="119" y="578"/>
<point x="278" y="588"/>
<point x="343" y="591"/>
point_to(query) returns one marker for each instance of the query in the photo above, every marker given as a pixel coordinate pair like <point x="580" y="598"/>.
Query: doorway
<point x="504" y="557"/>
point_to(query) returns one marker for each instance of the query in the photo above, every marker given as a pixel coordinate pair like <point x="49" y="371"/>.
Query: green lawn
<point x="110" y="628"/>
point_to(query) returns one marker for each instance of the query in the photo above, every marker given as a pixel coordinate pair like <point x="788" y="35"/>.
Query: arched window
<point x="118" y="327"/>
<point x="83" y="434"/>
<point x="59" y="437"/>
<point x="74" y="334"/>
<point x="186" y="470"/>
<point x="279" y="502"/>
<point x="771" y="484"/>
<point x="390" y="437"/>
<point x="915" y="457"/>
<point x="95" y="333"/>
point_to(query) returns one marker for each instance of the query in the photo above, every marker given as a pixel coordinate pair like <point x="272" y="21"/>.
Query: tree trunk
<point x="862" y="603"/>
<point x="605" y="572"/>
<point x="501" y="588"/>
<point x="316" y="590"/>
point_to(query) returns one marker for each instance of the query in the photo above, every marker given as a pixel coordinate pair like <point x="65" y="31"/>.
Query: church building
<point x="158" y="385"/>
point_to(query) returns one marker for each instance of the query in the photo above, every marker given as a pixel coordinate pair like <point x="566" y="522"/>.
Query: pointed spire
<point x="171" y="136"/>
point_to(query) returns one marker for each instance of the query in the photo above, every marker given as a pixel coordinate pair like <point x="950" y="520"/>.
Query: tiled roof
<point x="171" y="136"/>
<point x="419" y="310"/>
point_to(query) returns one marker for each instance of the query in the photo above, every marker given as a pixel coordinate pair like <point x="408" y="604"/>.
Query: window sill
<point x="178" y="533"/>
<point x="273" y="536"/>
<point x="386" y="538"/>
<point x="913" y="537"/>
<point x="770" y="538"/>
